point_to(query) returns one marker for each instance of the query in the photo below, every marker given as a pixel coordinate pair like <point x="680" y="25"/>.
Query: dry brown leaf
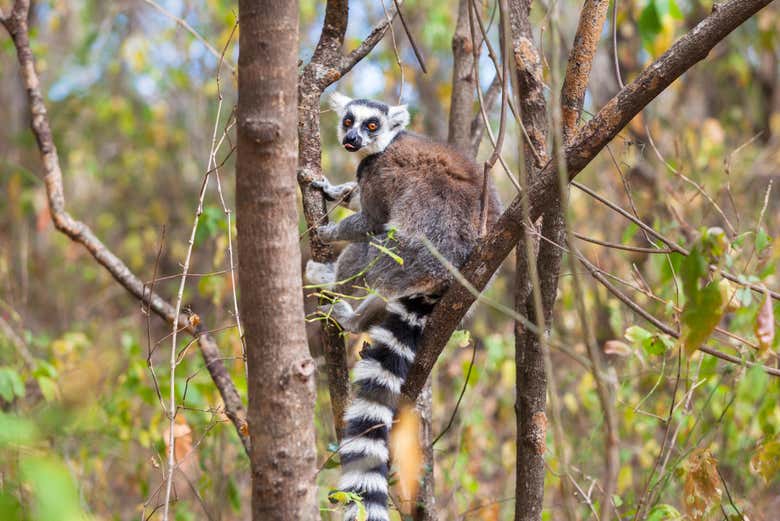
<point x="701" y="489"/>
<point x="182" y="443"/>
<point x="407" y="454"/>
<point x="616" y="347"/>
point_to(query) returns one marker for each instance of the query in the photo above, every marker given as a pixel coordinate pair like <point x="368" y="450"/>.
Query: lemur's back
<point x="424" y="188"/>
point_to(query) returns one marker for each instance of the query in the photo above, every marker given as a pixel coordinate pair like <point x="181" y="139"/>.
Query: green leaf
<point x="649" y="22"/>
<point x="54" y="494"/>
<point x="397" y="258"/>
<point x="631" y="230"/>
<point x="693" y="268"/>
<point x="664" y="513"/>
<point x="762" y="240"/>
<point x="346" y="498"/>
<point x="211" y="221"/>
<point x="44" y="368"/>
<point x="658" y="344"/>
<point x="674" y="10"/>
<point x="332" y="463"/>
<point x="651" y="343"/>
<point x="11" y="384"/>
<point x="234" y="496"/>
<point x="637" y="335"/>
<point x="668" y="8"/>
<point x="10" y="508"/>
<point x="460" y="338"/>
<point x="48" y="388"/>
<point x="15" y="430"/>
<point x="700" y="315"/>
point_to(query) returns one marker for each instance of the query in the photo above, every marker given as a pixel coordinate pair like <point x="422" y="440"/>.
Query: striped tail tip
<point x="378" y="378"/>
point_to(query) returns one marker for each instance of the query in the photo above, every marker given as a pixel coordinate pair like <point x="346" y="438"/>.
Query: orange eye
<point x="372" y="126"/>
<point x="347" y="122"/>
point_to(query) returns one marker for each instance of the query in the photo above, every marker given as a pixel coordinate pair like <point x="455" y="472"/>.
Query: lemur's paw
<point x="320" y="273"/>
<point x="341" y="312"/>
<point x="326" y="233"/>
<point x="334" y="192"/>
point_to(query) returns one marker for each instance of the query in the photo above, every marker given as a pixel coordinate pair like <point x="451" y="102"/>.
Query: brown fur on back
<point x="423" y="189"/>
<point x="422" y="173"/>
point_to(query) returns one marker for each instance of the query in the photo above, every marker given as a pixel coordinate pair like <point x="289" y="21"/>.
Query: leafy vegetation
<point x="133" y="100"/>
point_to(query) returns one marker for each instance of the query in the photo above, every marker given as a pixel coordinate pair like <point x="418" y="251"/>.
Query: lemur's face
<point x="367" y="126"/>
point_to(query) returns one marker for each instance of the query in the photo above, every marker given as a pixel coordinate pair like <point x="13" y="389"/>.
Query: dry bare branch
<point x="16" y="24"/>
<point x="591" y="138"/>
<point x="327" y="65"/>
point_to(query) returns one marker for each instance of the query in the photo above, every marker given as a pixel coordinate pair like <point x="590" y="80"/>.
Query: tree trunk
<point x="281" y="371"/>
<point x="462" y="99"/>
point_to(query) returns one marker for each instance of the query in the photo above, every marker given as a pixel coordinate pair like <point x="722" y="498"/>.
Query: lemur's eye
<point x="372" y="126"/>
<point x="347" y="122"/>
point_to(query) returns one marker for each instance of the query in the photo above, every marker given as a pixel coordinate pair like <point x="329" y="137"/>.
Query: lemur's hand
<point x="326" y="233"/>
<point x="334" y="192"/>
<point x="320" y="184"/>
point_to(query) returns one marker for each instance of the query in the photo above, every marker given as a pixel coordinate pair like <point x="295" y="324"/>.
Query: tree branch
<point x="583" y="50"/>
<point x="591" y="22"/>
<point x="536" y="284"/>
<point x="464" y="48"/>
<point x="327" y="65"/>
<point x="488" y="255"/>
<point x="478" y="123"/>
<point x="16" y="24"/>
<point x="368" y="44"/>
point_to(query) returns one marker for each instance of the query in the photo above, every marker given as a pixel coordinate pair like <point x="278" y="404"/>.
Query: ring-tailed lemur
<point x="417" y="188"/>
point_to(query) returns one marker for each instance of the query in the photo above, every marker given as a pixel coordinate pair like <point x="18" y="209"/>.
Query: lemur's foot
<point x="341" y="312"/>
<point x="320" y="273"/>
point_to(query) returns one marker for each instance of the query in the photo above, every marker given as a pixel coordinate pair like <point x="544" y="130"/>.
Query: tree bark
<point x="327" y="65"/>
<point x="531" y="377"/>
<point x="488" y="255"/>
<point x="281" y="371"/>
<point x="462" y="99"/>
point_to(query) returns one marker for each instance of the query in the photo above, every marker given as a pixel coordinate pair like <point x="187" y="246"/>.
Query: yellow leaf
<point x="404" y="442"/>
<point x="765" y="324"/>
<point x="766" y="460"/>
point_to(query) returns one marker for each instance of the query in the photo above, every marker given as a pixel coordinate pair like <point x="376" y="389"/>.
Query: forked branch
<point x="488" y="255"/>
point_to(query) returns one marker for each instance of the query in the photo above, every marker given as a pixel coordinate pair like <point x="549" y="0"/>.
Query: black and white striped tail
<point x="378" y="378"/>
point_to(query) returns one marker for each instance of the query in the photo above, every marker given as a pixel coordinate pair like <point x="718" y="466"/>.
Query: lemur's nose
<point x="352" y="141"/>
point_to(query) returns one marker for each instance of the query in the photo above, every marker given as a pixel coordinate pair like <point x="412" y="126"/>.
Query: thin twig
<point x="395" y="50"/>
<point x="460" y="397"/>
<point x="183" y="23"/>
<point x="409" y="35"/>
<point x="79" y="232"/>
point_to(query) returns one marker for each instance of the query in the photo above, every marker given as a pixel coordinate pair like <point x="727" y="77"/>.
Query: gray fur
<point x="411" y="185"/>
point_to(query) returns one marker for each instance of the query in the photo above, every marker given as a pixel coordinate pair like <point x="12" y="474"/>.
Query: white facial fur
<point x="390" y="124"/>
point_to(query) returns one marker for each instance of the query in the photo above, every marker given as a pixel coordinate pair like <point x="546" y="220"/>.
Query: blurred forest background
<point x="133" y="96"/>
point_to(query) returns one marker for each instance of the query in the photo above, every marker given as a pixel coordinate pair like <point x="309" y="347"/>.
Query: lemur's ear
<point x="398" y="116"/>
<point x="338" y="101"/>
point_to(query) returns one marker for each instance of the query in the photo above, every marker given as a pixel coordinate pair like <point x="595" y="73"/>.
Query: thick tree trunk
<point x="531" y="391"/>
<point x="281" y="371"/>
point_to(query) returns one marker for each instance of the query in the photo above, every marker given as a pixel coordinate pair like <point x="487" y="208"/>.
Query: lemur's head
<point x="367" y="126"/>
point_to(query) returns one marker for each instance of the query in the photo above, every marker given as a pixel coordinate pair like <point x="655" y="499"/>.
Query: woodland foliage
<point x="134" y="100"/>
